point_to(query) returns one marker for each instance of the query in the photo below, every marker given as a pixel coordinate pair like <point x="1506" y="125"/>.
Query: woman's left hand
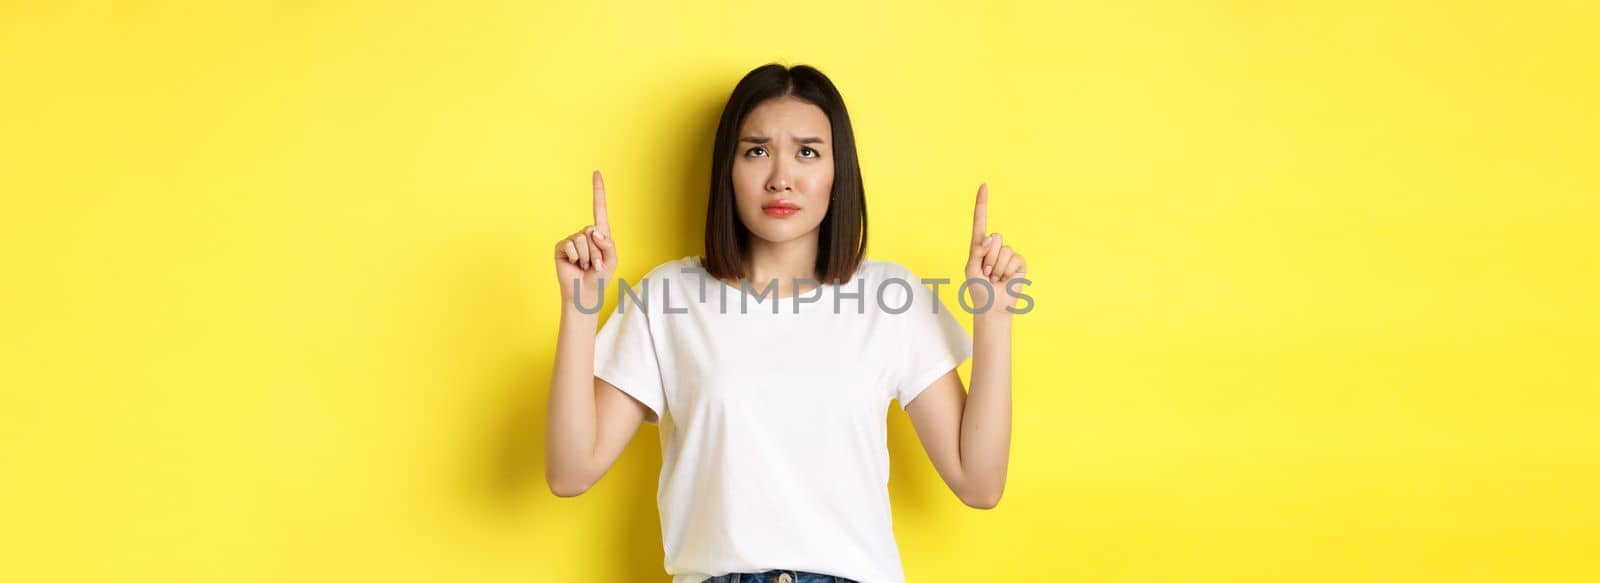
<point x="989" y="258"/>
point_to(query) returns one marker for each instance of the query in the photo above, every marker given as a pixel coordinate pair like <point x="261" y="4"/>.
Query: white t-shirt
<point x="773" y="426"/>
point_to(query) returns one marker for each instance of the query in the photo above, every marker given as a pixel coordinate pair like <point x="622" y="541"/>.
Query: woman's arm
<point x="968" y="436"/>
<point x="589" y="421"/>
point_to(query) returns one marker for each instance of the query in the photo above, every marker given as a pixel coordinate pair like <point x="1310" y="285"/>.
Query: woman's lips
<point x="779" y="211"/>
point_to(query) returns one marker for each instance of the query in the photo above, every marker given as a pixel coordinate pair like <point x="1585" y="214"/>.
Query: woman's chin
<point x="780" y="233"/>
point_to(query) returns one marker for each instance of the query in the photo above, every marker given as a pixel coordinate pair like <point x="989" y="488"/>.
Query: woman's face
<point x="784" y="155"/>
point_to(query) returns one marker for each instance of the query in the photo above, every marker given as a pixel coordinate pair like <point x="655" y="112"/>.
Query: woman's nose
<point x="779" y="182"/>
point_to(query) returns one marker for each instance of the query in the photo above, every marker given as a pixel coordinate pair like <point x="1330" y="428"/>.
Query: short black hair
<point x="842" y="241"/>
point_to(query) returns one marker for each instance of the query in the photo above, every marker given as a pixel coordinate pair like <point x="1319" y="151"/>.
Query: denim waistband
<point x="778" y="576"/>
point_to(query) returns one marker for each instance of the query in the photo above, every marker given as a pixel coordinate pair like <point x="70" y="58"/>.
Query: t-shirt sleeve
<point x="625" y="356"/>
<point x="934" y="342"/>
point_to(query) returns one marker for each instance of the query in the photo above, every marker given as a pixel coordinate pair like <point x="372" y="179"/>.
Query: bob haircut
<point x="842" y="235"/>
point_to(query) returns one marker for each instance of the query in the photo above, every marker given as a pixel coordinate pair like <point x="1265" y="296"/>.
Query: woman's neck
<point x="782" y="262"/>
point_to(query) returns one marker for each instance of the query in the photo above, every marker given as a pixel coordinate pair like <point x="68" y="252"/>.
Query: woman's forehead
<point x="786" y="117"/>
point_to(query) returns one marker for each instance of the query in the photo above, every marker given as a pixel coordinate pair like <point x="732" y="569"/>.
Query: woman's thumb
<point x="603" y="240"/>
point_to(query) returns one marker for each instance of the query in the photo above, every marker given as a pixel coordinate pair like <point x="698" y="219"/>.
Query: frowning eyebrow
<point x="764" y="139"/>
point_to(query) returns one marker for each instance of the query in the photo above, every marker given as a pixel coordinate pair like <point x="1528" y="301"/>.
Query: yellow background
<point x="1315" y="285"/>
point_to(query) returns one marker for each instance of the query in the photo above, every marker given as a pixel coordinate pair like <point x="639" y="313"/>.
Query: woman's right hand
<point x="587" y="256"/>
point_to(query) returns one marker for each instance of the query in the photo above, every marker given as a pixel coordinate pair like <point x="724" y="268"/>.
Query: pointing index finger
<point x="601" y="222"/>
<point x="980" y="215"/>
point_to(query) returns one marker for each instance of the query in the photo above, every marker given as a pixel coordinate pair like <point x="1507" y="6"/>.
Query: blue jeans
<point x="778" y="576"/>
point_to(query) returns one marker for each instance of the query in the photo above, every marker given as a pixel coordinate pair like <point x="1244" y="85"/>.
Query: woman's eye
<point x="804" y="152"/>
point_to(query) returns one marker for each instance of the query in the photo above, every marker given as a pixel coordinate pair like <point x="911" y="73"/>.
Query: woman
<point x="769" y="388"/>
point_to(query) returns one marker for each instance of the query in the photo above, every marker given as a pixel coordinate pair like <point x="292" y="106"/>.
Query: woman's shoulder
<point x="882" y="269"/>
<point x="674" y="267"/>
